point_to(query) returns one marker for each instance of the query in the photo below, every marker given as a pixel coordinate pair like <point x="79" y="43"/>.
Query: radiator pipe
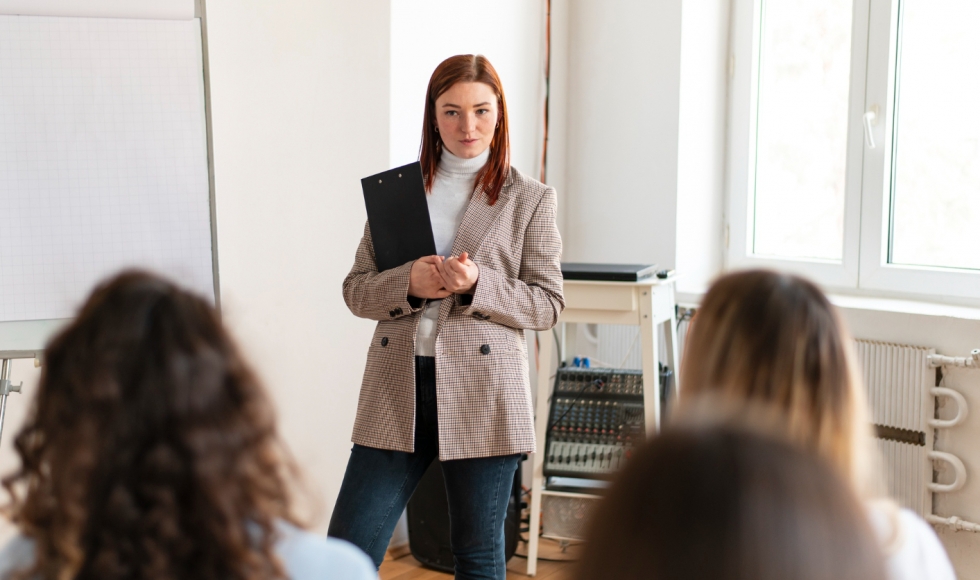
<point x="972" y="361"/>
<point x="958" y="469"/>
<point x="961" y="408"/>
<point x="954" y="523"/>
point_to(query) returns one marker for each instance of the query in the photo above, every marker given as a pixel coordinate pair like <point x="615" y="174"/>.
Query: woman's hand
<point x="459" y="275"/>
<point x="426" y="279"/>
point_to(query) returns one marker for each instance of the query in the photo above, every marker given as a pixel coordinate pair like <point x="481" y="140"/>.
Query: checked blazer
<point x="482" y="388"/>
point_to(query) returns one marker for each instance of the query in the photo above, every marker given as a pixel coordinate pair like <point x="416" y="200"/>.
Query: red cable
<point x="547" y="89"/>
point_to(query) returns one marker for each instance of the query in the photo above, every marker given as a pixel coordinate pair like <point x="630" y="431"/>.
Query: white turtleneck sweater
<point x="451" y="192"/>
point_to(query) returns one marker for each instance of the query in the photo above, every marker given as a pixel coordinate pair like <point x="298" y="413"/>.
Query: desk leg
<point x="651" y="356"/>
<point x="540" y="430"/>
<point x="670" y="336"/>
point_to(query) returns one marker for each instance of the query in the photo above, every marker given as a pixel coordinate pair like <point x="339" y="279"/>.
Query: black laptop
<point x="607" y="272"/>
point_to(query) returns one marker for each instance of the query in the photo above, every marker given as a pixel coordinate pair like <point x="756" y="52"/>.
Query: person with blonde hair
<point x="774" y="339"/>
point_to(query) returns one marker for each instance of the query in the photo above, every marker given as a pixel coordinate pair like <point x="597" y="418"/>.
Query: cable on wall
<point x="547" y="88"/>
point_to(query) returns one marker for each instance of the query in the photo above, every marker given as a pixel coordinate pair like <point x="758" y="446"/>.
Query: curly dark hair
<point x="151" y="450"/>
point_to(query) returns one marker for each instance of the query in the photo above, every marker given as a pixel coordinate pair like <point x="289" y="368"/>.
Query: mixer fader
<point x="595" y="421"/>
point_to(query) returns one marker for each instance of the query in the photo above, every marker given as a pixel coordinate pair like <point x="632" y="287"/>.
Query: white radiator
<point x="902" y="391"/>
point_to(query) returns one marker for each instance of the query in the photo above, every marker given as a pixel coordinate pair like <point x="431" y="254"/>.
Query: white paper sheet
<point x="103" y="158"/>
<point x="153" y="9"/>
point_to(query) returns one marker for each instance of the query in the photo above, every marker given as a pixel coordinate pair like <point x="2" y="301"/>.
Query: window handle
<point x="869" y="120"/>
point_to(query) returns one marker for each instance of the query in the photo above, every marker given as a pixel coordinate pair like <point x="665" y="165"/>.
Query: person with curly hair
<point x="151" y="453"/>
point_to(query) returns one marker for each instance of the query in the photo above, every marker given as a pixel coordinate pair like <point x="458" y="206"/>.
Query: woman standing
<point x="447" y="370"/>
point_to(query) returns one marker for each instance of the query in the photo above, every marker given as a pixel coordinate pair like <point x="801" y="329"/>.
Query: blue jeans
<point x="378" y="484"/>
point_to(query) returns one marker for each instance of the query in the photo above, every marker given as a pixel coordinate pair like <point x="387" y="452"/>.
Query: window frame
<point x="864" y="267"/>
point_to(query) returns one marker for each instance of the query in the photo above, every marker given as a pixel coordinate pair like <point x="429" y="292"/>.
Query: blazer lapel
<point x="477" y="220"/>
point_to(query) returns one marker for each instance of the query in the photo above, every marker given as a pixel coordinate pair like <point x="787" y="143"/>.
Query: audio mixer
<point x="595" y="421"/>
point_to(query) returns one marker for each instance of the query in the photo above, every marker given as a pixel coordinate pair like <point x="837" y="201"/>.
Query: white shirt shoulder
<point x="912" y="548"/>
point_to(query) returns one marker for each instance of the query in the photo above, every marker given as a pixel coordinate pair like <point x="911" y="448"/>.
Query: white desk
<point x="648" y="304"/>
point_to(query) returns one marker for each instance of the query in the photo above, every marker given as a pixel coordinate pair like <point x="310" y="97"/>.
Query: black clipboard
<point x="398" y="215"/>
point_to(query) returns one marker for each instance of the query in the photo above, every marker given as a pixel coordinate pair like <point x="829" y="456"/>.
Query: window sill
<point x="899" y="306"/>
<point x="871" y="303"/>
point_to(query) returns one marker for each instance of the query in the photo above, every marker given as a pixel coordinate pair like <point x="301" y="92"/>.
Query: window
<point x="804" y="65"/>
<point x="936" y="145"/>
<point x="854" y="152"/>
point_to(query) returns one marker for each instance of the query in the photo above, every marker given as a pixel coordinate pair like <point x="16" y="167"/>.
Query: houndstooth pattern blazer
<point x="482" y="388"/>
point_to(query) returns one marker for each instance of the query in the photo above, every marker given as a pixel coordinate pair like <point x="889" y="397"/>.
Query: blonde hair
<point x="774" y="339"/>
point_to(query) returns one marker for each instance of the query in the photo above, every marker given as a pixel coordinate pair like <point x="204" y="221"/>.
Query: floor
<point x="558" y="567"/>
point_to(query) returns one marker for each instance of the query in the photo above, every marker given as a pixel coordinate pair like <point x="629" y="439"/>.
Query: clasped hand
<point x="435" y="277"/>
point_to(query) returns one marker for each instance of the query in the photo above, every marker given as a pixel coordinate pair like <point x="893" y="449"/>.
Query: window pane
<point x="801" y="135"/>
<point x="936" y="185"/>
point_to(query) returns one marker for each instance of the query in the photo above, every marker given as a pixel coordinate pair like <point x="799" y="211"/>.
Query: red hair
<point x="466" y="68"/>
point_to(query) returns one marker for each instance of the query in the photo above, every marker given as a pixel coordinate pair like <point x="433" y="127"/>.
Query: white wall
<point x="300" y="113"/>
<point x="623" y="104"/>
<point x="510" y="35"/>
<point x="701" y="142"/>
<point x="640" y="95"/>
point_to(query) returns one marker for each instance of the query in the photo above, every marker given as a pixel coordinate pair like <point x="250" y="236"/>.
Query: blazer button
<point x="398" y="311"/>
<point x="485" y="349"/>
<point x="384" y="341"/>
<point x="392" y="313"/>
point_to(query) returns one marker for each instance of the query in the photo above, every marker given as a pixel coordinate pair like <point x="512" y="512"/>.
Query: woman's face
<point x="466" y="116"/>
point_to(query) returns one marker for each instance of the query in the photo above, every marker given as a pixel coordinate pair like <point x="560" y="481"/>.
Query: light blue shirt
<point x="305" y="555"/>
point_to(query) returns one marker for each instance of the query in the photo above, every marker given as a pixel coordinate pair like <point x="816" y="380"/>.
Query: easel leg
<point x="4" y="380"/>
